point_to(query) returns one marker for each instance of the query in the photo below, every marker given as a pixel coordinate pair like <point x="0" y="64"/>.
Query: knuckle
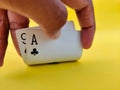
<point x="62" y="17"/>
<point x="4" y="27"/>
<point x="19" y="24"/>
<point x="3" y="19"/>
<point x="78" y="4"/>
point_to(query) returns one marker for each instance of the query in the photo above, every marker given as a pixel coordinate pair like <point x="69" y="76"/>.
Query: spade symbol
<point x="25" y="51"/>
<point x="34" y="51"/>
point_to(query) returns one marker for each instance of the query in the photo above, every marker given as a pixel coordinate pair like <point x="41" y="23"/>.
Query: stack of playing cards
<point x="37" y="48"/>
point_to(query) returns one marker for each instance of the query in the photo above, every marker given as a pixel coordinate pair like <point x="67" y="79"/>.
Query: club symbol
<point x="34" y="51"/>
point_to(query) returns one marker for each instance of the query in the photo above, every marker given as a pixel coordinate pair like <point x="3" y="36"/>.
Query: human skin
<point x="50" y="15"/>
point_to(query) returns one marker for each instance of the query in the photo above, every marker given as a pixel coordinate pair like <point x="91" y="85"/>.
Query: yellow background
<point x="98" y="69"/>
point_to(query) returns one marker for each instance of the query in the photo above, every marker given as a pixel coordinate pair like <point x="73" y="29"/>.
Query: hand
<point x="50" y="15"/>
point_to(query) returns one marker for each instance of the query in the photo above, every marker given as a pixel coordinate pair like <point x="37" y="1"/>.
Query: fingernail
<point x="2" y="52"/>
<point x="1" y="58"/>
<point x="54" y="35"/>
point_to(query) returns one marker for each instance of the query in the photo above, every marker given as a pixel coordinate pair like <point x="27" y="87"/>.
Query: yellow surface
<point x="98" y="69"/>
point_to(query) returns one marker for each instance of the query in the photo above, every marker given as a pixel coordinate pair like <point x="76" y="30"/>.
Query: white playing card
<point x="21" y="38"/>
<point x="42" y="49"/>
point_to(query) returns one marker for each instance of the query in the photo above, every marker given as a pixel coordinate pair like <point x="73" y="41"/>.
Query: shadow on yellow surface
<point x="98" y="69"/>
<point x="66" y="76"/>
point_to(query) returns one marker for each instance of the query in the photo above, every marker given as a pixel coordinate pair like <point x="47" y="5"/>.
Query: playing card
<point x="35" y="39"/>
<point x="21" y="38"/>
<point x="42" y="49"/>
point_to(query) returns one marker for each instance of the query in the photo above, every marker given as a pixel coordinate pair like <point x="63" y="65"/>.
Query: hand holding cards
<point x="37" y="48"/>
